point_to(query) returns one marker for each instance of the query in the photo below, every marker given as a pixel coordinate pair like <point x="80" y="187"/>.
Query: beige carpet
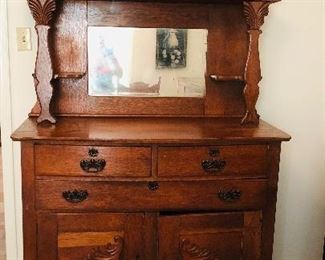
<point x="2" y="222"/>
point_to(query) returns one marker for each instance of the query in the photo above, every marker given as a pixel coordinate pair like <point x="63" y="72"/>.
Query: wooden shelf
<point x="69" y="75"/>
<point x="221" y="78"/>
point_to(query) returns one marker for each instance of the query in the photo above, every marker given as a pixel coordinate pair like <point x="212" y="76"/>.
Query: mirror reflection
<point x="162" y="62"/>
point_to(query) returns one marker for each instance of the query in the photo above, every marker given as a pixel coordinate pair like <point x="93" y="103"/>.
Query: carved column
<point x="43" y="11"/>
<point x="254" y="13"/>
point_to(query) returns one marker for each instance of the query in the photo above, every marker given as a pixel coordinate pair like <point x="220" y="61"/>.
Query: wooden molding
<point x="191" y="251"/>
<point x="109" y="252"/>
<point x="43" y="12"/>
<point x="255" y="13"/>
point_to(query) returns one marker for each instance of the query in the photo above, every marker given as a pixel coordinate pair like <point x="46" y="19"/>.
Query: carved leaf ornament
<point x="108" y="252"/>
<point x="191" y="251"/>
<point x="42" y="11"/>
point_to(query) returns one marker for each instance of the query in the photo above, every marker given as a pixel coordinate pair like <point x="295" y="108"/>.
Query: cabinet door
<point x="93" y="236"/>
<point x="225" y="236"/>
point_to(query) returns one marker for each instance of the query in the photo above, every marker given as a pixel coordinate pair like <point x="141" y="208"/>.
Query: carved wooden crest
<point x="254" y="13"/>
<point x="109" y="252"/>
<point x="191" y="251"/>
<point x="42" y="10"/>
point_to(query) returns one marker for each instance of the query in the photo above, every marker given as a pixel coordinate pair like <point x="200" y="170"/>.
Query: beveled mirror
<point x="146" y="62"/>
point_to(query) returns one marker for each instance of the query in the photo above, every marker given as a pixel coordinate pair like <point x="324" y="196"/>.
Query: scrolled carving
<point x="108" y="252"/>
<point x="190" y="251"/>
<point x="42" y="11"/>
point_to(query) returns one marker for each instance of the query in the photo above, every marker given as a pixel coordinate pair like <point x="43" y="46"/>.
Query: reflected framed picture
<point x="171" y="47"/>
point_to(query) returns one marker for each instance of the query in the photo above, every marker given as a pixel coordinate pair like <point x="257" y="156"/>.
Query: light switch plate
<point x="23" y="39"/>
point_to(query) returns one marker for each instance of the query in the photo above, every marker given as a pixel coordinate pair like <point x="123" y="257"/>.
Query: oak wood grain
<point x="59" y="160"/>
<point x="149" y="130"/>
<point x="130" y="196"/>
<point x="240" y="161"/>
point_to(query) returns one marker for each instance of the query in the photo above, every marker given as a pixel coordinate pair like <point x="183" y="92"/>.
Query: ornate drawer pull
<point x="75" y="196"/>
<point x="230" y="195"/>
<point x="153" y="185"/>
<point x="93" y="165"/>
<point x="213" y="166"/>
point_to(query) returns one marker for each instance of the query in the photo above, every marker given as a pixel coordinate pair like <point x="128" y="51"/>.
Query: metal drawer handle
<point x="213" y="166"/>
<point x="153" y="185"/>
<point x="93" y="165"/>
<point x="75" y="196"/>
<point x="229" y="195"/>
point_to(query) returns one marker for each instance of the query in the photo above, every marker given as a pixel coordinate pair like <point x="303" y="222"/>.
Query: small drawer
<point x="64" y="160"/>
<point x="204" y="161"/>
<point x="141" y="195"/>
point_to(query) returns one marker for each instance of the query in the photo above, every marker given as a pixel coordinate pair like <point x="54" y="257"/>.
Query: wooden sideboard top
<point x="148" y="130"/>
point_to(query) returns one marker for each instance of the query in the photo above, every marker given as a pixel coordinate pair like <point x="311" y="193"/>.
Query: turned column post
<point x="43" y="11"/>
<point x="254" y="12"/>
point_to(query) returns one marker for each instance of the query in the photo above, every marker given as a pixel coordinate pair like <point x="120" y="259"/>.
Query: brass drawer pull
<point x="153" y="185"/>
<point x="229" y="195"/>
<point x="213" y="166"/>
<point x="93" y="165"/>
<point x="75" y="196"/>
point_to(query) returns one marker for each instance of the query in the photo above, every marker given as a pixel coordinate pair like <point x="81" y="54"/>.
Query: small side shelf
<point x="221" y="78"/>
<point x="69" y="75"/>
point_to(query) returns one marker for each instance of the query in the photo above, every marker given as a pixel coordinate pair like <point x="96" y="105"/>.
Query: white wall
<point x="16" y="102"/>
<point x="292" y="97"/>
<point x="292" y="93"/>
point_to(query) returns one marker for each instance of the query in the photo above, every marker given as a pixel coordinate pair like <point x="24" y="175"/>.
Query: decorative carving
<point x="254" y="13"/>
<point x="75" y="196"/>
<point x="43" y="12"/>
<point x="229" y="195"/>
<point x="191" y="251"/>
<point x="93" y="165"/>
<point x="109" y="252"/>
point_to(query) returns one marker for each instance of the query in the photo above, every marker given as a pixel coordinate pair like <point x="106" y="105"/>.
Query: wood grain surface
<point x="149" y="130"/>
<point x="61" y="160"/>
<point x="135" y="196"/>
<point x="240" y="161"/>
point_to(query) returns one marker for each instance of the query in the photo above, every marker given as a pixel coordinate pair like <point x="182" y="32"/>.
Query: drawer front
<point x="64" y="160"/>
<point x="164" y="195"/>
<point x="234" y="161"/>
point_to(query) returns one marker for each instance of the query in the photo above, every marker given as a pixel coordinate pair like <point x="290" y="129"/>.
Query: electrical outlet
<point x="23" y="39"/>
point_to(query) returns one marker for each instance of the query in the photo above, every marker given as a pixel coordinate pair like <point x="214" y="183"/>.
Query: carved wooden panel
<point x="91" y="236"/>
<point x="214" y="236"/>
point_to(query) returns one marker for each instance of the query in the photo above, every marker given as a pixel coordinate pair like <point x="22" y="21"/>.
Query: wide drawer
<point x="163" y="195"/>
<point x="65" y="160"/>
<point x="232" y="161"/>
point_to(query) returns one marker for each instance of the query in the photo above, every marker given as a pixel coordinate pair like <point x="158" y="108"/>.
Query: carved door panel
<point x="86" y="236"/>
<point x="225" y="236"/>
